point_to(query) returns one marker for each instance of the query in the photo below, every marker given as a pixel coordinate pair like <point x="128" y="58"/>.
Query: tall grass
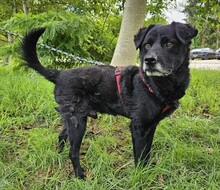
<point x="185" y="153"/>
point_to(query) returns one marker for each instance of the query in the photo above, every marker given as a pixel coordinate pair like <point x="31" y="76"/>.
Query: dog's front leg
<point x="142" y="137"/>
<point x="76" y="127"/>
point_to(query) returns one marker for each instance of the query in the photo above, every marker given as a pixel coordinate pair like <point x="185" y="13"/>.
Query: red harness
<point x="118" y="79"/>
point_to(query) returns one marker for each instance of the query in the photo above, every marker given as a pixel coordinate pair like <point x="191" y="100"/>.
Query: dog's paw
<point x="79" y="173"/>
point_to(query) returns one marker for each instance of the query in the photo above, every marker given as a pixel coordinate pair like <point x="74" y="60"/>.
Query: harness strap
<point x="148" y="86"/>
<point x="167" y="107"/>
<point x="118" y="79"/>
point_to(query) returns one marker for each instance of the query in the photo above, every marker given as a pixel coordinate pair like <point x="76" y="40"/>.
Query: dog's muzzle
<point x="152" y="67"/>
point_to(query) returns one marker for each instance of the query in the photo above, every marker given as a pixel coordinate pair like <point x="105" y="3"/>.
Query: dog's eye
<point x="169" y="44"/>
<point x="147" y="46"/>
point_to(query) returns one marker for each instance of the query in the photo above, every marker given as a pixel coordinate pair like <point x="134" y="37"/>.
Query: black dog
<point x="145" y="95"/>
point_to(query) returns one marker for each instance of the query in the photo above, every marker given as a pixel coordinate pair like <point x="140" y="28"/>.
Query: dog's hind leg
<point x="63" y="136"/>
<point x="76" y="126"/>
<point x="142" y="138"/>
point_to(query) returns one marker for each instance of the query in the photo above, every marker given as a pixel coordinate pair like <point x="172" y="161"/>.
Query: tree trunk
<point x="15" y="7"/>
<point x="10" y="41"/>
<point x="218" y="36"/>
<point x="10" y="38"/>
<point x="25" y="7"/>
<point x="133" y="19"/>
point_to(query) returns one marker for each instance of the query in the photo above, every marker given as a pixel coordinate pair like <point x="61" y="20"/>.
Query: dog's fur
<point x="81" y="92"/>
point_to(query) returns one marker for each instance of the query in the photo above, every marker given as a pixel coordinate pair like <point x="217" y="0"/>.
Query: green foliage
<point x="155" y="20"/>
<point x="6" y="9"/>
<point x="85" y="28"/>
<point x="185" y="152"/>
<point x="73" y="33"/>
<point x="101" y="8"/>
<point x="156" y="11"/>
<point x="9" y="8"/>
<point x="155" y="7"/>
<point x="205" y="16"/>
<point x="93" y="36"/>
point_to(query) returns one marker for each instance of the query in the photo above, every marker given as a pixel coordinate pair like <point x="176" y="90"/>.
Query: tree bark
<point x="15" y="6"/>
<point x="218" y="36"/>
<point x="25" y="7"/>
<point x="10" y="38"/>
<point x="133" y="19"/>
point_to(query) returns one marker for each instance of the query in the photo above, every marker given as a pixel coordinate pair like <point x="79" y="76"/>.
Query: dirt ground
<point x="205" y="64"/>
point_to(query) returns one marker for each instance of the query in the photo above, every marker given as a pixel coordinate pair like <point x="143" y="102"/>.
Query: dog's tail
<point x="29" y="55"/>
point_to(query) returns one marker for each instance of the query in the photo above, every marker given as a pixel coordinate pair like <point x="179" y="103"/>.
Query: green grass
<point x="185" y="149"/>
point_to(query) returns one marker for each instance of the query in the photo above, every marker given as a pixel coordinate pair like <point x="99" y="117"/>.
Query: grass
<point x="185" y="149"/>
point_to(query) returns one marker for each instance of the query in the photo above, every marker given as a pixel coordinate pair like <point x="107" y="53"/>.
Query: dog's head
<point x="163" y="48"/>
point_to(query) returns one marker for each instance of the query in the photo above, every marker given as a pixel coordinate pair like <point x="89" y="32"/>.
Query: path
<point x="205" y="64"/>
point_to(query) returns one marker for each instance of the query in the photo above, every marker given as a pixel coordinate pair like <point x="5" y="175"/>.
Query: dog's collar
<point x="167" y="107"/>
<point x="148" y="86"/>
<point x="118" y="79"/>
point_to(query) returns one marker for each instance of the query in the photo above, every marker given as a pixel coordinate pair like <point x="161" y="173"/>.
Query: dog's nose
<point x="150" y="59"/>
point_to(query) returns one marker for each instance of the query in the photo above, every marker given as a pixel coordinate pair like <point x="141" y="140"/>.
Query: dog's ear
<point x="185" y="32"/>
<point x="139" y="37"/>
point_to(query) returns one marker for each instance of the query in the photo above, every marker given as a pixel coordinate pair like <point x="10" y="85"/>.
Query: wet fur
<point x="83" y="92"/>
